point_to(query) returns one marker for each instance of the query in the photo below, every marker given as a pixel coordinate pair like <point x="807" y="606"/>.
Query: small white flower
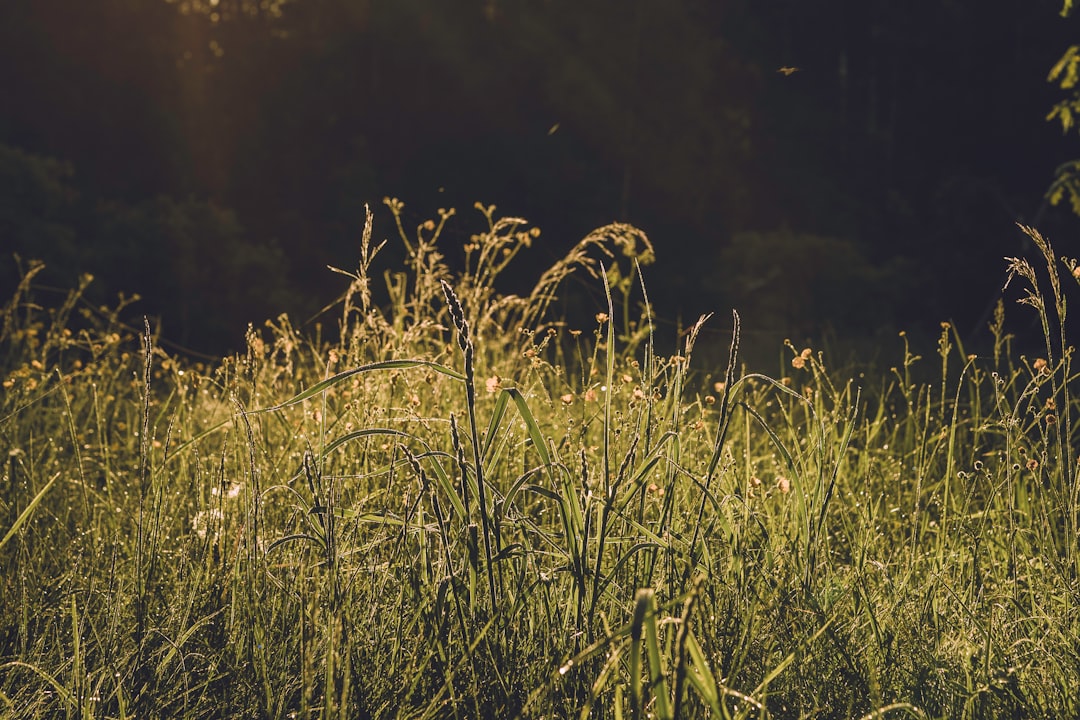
<point x="204" y="520"/>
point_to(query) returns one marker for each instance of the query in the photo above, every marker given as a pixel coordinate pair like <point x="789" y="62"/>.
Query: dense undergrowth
<point x="469" y="508"/>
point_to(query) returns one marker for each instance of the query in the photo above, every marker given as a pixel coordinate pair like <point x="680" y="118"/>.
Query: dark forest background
<point x="848" y="166"/>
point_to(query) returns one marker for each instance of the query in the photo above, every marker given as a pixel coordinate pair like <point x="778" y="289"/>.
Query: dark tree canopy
<point x="221" y="151"/>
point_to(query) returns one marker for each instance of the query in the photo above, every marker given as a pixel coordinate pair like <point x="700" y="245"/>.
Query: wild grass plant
<point x="466" y="507"/>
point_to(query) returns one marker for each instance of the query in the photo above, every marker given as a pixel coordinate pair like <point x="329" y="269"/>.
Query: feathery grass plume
<point x="17" y="300"/>
<point x="1055" y="371"/>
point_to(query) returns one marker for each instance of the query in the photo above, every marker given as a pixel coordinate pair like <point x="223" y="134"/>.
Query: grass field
<point x="470" y="508"/>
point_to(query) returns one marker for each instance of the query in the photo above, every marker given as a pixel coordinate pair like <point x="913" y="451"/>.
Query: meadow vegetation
<point x="469" y="507"/>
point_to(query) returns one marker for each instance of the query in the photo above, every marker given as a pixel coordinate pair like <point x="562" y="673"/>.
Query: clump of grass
<point x="469" y="508"/>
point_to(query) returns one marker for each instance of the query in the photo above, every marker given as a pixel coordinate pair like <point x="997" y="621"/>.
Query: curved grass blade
<point x="358" y="434"/>
<point x="517" y="485"/>
<point x="610" y="668"/>
<point x="537" y="437"/>
<point x="790" y="658"/>
<point x="184" y="637"/>
<point x="291" y="538"/>
<point x="637" y="547"/>
<point x="62" y="692"/>
<point x="188" y="443"/>
<point x="701" y="677"/>
<point x="776" y="441"/>
<point x="341" y="376"/>
<point x="28" y="511"/>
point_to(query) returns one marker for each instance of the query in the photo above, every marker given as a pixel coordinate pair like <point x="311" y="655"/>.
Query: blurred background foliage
<point x="849" y="165"/>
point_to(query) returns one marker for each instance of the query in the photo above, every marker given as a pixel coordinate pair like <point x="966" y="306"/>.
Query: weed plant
<point x="467" y="508"/>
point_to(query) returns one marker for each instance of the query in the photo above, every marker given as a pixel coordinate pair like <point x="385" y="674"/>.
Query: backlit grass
<point x="469" y="507"/>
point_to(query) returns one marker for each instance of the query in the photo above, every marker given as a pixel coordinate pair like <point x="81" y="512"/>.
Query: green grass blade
<point x="342" y="376"/>
<point x="657" y="682"/>
<point x="181" y="447"/>
<point x="783" y="664"/>
<point x="24" y="516"/>
<point x="637" y="547"/>
<point x="360" y="434"/>
<point x="62" y="691"/>
<point x="531" y="425"/>
<point x="700" y="675"/>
